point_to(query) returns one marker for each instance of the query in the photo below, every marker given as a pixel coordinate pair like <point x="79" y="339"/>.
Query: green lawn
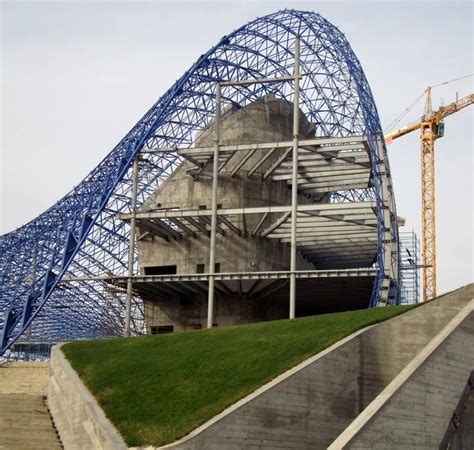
<point x="156" y="389"/>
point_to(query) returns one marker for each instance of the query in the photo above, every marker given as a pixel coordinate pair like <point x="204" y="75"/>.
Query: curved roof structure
<point x="47" y="267"/>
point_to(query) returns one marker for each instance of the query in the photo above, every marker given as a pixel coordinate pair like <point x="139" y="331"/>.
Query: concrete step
<point x="13" y="408"/>
<point x="32" y="446"/>
<point x="19" y="436"/>
<point x="19" y="409"/>
<point x="15" y="422"/>
<point x="17" y="427"/>
<point x="26" y="398"/>
<point x="24" y="417"/>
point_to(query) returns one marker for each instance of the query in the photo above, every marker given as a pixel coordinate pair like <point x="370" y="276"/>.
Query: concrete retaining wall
<point x="415" y="409"/>
<point x="80" y="421"/>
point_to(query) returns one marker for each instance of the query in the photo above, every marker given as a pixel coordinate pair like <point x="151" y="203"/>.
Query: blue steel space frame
<point x="80" y="235"/>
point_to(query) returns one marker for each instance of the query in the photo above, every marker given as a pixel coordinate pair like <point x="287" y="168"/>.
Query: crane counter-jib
<point x="435" y="117"/>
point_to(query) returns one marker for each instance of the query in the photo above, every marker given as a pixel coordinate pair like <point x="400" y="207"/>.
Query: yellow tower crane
<point x="431" y="127"/>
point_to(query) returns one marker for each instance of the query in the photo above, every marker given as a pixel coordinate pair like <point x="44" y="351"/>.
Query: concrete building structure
<point x="174" y="224"/>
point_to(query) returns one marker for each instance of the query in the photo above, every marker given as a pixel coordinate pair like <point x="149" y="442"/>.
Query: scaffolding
<point x="410" y="267"/>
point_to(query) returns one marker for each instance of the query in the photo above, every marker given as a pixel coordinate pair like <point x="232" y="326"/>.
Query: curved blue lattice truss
<point x="41" y="295"/>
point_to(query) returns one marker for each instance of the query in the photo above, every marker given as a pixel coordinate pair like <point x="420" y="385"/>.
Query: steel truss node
<point x="50" y="286"/>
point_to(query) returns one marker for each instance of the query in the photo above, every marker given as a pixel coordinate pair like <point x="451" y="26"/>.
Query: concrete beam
<point x="348" y="208"/>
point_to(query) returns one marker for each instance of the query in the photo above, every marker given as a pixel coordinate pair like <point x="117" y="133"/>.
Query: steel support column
<point x="294" y="179"/>
<point x="215" y="174"/>
<point x="131" y="248"/>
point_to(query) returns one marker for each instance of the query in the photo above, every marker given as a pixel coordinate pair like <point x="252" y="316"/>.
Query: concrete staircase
<point x="25" y="421"/>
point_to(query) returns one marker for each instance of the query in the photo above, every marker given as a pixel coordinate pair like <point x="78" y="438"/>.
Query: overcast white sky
<point x="76" y="76"/>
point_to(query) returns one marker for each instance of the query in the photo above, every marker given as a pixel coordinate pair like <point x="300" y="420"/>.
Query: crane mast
<point x="428" y="214"/>
<point x="431" y="128"/>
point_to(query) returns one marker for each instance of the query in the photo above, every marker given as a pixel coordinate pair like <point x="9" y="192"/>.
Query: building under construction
<point x="336" y="243"/>
<point x="257" y="188"/>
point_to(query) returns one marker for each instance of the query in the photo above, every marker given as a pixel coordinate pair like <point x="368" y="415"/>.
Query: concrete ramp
<point x="314" y="403"/>
<point x="399" y="379"/>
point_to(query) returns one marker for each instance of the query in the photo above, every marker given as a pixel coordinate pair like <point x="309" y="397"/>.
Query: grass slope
<point x="156" y="389"/>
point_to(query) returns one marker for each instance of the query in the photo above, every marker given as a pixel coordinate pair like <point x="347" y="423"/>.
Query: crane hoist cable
<point x="399" y="118"/>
